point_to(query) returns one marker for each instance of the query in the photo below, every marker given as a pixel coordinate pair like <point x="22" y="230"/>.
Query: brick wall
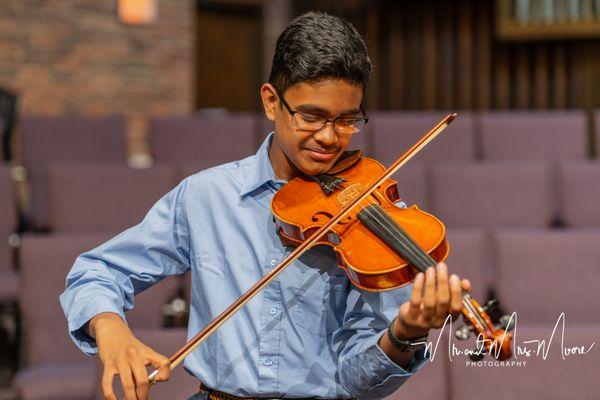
<point x="75" y="57"/>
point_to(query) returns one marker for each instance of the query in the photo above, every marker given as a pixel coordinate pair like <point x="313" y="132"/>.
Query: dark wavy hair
<point x="316" y="46"/>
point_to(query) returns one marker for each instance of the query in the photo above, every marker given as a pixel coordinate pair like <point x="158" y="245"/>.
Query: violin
<point x="355" y="213"/>
<point x="379" y="245"/>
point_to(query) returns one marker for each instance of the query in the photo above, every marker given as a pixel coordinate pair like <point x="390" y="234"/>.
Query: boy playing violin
<point x="310" y="333"/>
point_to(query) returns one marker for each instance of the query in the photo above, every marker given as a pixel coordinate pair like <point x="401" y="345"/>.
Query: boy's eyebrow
<point x="313" y="108"/>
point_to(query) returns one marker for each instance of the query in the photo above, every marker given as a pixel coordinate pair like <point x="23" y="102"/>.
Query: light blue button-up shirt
<point x="309" y="333"/>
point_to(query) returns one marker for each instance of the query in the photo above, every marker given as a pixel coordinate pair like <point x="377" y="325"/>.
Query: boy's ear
<point x="270" y="99"/>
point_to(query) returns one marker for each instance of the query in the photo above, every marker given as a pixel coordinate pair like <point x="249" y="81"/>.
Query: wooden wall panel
<point x="446" y="55"/>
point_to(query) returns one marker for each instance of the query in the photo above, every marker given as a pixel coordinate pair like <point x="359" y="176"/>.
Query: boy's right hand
<point x="121" y="353"/>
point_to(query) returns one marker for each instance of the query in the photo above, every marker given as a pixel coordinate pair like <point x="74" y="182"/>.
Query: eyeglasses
<point x="313" y="123"/>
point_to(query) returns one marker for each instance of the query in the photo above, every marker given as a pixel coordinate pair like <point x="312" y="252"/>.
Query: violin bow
<point x="200" y="337"/>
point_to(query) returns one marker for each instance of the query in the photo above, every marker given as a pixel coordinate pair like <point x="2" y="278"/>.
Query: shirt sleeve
<point x="107" y="278"/>
<point x="366" y="371"/>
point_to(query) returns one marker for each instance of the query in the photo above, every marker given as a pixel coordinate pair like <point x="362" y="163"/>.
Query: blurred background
<point x="106" y="104"/>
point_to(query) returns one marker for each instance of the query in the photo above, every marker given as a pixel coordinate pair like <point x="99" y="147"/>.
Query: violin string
<point x="380" y="217"/>
<point x="411" y="247"/>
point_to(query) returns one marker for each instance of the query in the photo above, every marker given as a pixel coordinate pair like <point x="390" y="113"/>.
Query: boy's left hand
<point x="434" y="296"/>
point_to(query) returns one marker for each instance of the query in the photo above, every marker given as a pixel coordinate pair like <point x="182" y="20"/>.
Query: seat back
<point x="104" y="197"/>
<point x="393" y="133"/>
<point x="533" y="377"/>
<point x="534" y="135"/>
<point x="540" y="274"/>
<point x="47" y="140"/>
<point x="493" y="195"/>
<point x="469" y="258"/>
<point x="203" y="140"/>
<point x="45" y="261"/>
<point x="579" y="190"/>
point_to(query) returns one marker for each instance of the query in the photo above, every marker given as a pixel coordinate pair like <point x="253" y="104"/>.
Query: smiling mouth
<point x="320" y="155"/>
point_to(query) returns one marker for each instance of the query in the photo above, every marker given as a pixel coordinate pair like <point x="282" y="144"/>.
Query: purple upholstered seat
<point x="535" y="378"/>
<point x="493" y="195"/>
<point x="49" y="354"/>
<point x="395" y="132"/>
<point x="45" y="140"/>
<point x="180" y="385"/>
<point x="66" y="381"/>
<point x="203" y="140"/>
<point x="540" y="274"/>
<point x="534" y="135"/>
<point x="469" y="258"/>
<point x="8" y="276"/>
<point x="104" y="197"/>
<point x="597" y="132"/>
<point x="413" y="185"/>
<point x="579" y="190"/>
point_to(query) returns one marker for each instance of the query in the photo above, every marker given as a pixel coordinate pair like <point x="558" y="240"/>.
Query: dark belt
<point x="213" y="394"/>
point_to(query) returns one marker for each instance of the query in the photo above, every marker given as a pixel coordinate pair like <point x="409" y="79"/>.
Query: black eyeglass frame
<point x="365" y="117"/>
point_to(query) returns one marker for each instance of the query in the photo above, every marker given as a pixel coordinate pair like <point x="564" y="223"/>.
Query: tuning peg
<point x="463" y="332"/>
<point x="490" y="305"/>
<point x="507" y="322"/>
<point x="477" y="355"/>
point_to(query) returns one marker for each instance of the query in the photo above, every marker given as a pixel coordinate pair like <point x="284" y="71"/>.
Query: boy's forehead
<point x="335" y="95"/>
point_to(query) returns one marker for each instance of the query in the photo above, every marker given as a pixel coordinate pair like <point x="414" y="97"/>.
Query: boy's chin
<point x="315" y="168"/>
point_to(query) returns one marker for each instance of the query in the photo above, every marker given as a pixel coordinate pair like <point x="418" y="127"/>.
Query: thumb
<point x="162" y="364"/>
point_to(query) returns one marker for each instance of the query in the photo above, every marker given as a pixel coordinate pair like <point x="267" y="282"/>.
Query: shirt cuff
<point x="78" y="323"/>
<point x="389" y="375"/>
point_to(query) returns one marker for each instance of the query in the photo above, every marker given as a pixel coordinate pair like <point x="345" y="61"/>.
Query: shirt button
<point x="268" y="362"/>
<point x="273" y="311"/>
<point x="273" y="263"/>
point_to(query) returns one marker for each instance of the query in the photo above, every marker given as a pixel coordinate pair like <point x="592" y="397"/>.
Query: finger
<point x="417" y="295"/>
<point x="429" y="294"/>
<point x="127" y="382"/>
<point x="140" y="376"/>
<point x="161" y="363"/>
<point x="443" y="292"/>
<point x="456" y="295"/>
<point x="107" y="383"/>
<point x="466" y="285"/>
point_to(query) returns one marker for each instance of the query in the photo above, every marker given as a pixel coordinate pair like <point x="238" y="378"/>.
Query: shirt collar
<point x="261" y="171"/>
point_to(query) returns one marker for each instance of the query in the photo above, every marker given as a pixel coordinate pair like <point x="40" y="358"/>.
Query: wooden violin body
<point x="379" y="245"/>
<point x="301" y="207"/>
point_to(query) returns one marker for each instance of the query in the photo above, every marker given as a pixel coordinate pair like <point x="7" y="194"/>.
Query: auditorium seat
<point x="8" y="276"/>
<point x="49" y="355"/>
<point x="493" y="195"/>
<point x="540" y="274"/>
<point x="413" y="185"/>
<point x="205" y="141"/>
<point x="469" y="258"/>
<point x="533" y="135"/>
<point x="393" y="133"/>
<point x="45" y="140"/>
<point x="535" y="378"/>
<point x="579" y="190"/>
<point x="104" y="197"/>
<point x="167" y="341"/>
<point x="597" y="133"/>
